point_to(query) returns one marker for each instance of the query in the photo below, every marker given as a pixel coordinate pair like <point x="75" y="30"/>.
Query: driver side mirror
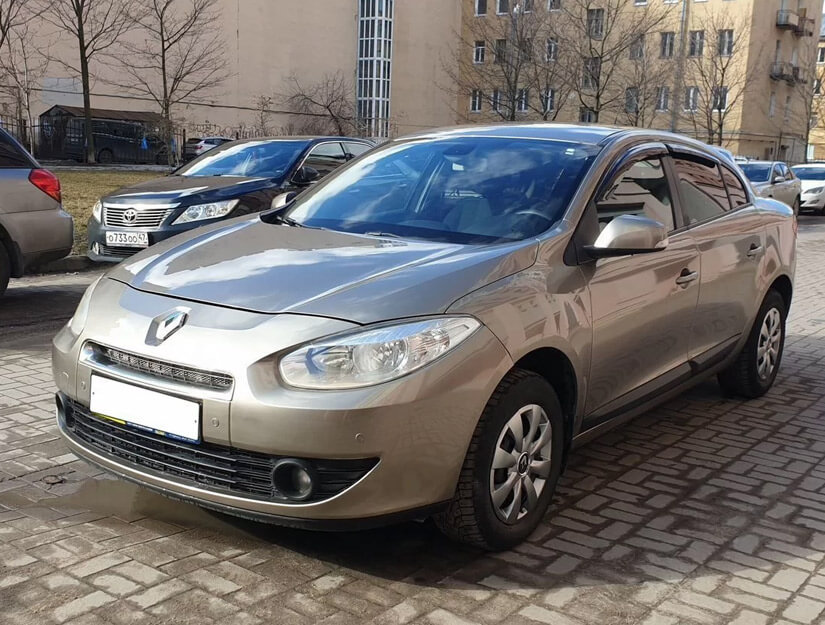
<point x="778" y="179"/>
<point x="306" y="175"/>
<point x="281" y="200"/>
<point x="629" y="234"/>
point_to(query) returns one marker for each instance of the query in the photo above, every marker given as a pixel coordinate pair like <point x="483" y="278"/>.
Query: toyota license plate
<point x="117" y="238"/>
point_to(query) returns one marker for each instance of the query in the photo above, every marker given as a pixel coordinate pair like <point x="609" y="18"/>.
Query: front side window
<point x="326" y="158"/>
<point x="470" y="190"/>
<point x="249" y="159"/>
<point x="642" y="190"/>
<point x="701" y="188"/>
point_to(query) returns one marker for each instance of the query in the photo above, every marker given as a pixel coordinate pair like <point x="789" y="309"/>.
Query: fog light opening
<point x="64" y="412"/>
<point x="293" y="479"/>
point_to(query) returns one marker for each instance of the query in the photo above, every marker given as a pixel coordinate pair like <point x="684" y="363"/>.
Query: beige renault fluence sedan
<point x="429" y="330"/>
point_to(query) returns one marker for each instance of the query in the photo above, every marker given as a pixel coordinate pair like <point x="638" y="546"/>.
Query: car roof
<point x="308" y="139"/>
<point x="754" y="162"/>
<point x="806" y="165"/>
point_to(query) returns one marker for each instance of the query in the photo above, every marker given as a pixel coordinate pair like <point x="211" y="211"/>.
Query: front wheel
<point x="796" y="204"/>
<point x="511" y="467"/>
<point x="754" y="370"/>
<point x="5" y="269"/>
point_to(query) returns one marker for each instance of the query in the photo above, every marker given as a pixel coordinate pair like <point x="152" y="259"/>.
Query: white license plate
<point x="117" y="238"/>
<point x="145" y="409"/>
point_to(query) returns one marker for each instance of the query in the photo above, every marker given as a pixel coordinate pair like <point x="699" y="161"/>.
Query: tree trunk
<point x="88" y="131"/>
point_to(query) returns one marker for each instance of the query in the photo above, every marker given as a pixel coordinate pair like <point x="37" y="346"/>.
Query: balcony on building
<point x="797" y="75"/>
<point x="805" y="27"/>
<point x="787" y="20"/>
<point x="781" y="71"/>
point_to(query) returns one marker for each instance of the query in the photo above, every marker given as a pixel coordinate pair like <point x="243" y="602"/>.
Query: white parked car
<point x="774" y="179"/>
<point x="813" y="187"/>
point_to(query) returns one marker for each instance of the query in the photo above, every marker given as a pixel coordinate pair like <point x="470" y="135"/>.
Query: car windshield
<point x="459" y="190"/>
<point x="809" y="173"/>
<point x="757" y="172"/>
<point x="257" y="159"/>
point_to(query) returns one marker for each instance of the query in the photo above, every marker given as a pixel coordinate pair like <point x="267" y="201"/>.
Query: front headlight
<point x="815" y="190"/>
<point x="78" y="320"/>
<point x="97" y="211"/>
<point x="213" y="210"/>
<point x="374" y="356"/>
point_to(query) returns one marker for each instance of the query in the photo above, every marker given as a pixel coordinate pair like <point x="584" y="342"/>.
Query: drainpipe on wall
<point x="680" y="66"/>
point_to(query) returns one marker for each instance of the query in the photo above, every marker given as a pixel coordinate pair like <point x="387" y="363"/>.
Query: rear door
<point x="729" y="234"/>
<point x="790" y="189"/>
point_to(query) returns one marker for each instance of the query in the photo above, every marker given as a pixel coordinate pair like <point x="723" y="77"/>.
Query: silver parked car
<point x="430" y="329"/>
<point x="34" y="228"/>
<point x="774" y="179"/>
<point x="812" y="177"/>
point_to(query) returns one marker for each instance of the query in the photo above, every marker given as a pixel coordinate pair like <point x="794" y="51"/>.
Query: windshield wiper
<point x="388" y="235"/>
<point x="288" y="221"/>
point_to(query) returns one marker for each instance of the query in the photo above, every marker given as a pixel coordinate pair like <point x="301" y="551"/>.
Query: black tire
<point x="797" y="203"/>
<point x="471" y="517"/>
<point x="742" y="378"/>
<point x="5" y="269"/>
<point x="105" y="156"/>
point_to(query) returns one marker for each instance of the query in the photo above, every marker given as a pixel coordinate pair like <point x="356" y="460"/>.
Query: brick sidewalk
<point x="705" y="511"/>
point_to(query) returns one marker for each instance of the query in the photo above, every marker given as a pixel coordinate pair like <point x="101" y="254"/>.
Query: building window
<point x="374" y="69"/>
<point x="817" y="86"/>
<point x="595" y="23"/>
<point x="820" y="55"/>
<point x="591" y="72"/>
<point x="502" y="6"/>
<point x="495" y="101"/>
<point x="637" y="48"/>
<point x="523" y="100"/>
<point x="787" y="108"/>
<point x="527" y="6"/>
<point x="480" y="51"/>
<point x="697" y="43"/>
<point x="720" y="98"/>
<point x="631" y="100"/>
<point x="554" y="5"/>
<point x="692" y="99"/>
<point x="772" y="105"/>
<point x="640" y="3"/>
<point x="481" y="7"/>
<point x="668" y="44"/>
<point x="552" y="53"/>
<point x="548" y="100"/>
<point x="475" y="101"/>
<point x="587" y="115"/>
<point x="527" y="49"/>
<point x="663" y="99"/>
<point x="501" y="50"/>
<point x="725" y="42"/>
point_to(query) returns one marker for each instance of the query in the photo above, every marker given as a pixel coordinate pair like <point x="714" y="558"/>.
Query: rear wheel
<point x="755" y="369"/>
<point x="796" y="204"/>
<point x="105" y="156"/>
<point x="5" y="269"/>
<point x="511" y="468"/>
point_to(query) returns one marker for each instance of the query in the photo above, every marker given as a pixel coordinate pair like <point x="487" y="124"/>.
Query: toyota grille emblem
<point x="130" y="215"/>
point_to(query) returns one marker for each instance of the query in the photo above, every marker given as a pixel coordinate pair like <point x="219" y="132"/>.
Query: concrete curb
<point x="69" y="264"/>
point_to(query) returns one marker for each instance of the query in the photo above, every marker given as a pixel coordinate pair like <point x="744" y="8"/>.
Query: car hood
<point x="187" y="189"/>
<point x="811" y="184"/>
<point x="248" y="264"/>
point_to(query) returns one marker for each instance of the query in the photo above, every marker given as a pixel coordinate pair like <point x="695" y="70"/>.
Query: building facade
<point x="739" y="73"/>
<point x="390" y="54"/>
<point x="816" y="145"/>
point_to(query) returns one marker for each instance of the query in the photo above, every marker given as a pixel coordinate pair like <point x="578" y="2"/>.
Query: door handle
<point x="755" y="251"/>
<point x="686" y="277"/>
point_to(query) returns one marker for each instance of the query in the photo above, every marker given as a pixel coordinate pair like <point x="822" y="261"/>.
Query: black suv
<point x="233" y="179"/>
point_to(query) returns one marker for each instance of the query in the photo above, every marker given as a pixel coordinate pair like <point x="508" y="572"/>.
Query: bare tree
<point x="178" y="55"/>
<point x="717" y="77"/>
<point x="24" y="65"/>
<point x="323" y="107"/>
<point x="263" y="104"/>
<point x="647" y="93"/>
<point x="96" y="25"/>
<point x="13" y="13"/>
<point x="806" y="102"/>
<point x="601" y="34"/>
<point x="507" y="60"/>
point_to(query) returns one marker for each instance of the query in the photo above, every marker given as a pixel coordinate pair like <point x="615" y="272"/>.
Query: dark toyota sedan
<point x="234" y="179"/>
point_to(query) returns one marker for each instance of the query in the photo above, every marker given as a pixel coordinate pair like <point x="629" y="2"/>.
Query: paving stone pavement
<point x="705" y="511"/>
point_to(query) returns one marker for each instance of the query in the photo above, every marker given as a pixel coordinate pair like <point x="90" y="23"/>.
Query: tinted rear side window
<point x="703" y="193"/>
<point x="356" y="149"/>
<point x="736" y="191"/>
<point x="11" y="155"/>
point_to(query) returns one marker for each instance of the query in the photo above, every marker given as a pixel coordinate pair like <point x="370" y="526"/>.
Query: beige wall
<point x="266" y="41"/>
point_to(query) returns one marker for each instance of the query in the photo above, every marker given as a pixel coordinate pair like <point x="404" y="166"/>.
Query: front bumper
<point x="98" y="250"/>
<point x="814" y="202"/>
<point x="417" y="428"/>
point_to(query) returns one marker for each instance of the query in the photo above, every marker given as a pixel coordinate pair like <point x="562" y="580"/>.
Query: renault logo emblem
<point x="129" y="215"/>
<point x="164" y="326"/>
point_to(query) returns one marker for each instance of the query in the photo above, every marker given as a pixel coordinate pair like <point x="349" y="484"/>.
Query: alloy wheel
<point x="521" y="463"/>
<point x="770" y="339"/>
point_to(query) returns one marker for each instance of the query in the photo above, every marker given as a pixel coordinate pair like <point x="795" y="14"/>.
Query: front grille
<point x="143" y="217"/>
<point x="119" y="252"/>
<point x="188" y="376"/>
<point x="219" y="468"/>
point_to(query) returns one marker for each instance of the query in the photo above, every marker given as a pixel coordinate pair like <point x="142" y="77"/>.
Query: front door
<point x="641" y="304"/>
<point x="729" y="233"/>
